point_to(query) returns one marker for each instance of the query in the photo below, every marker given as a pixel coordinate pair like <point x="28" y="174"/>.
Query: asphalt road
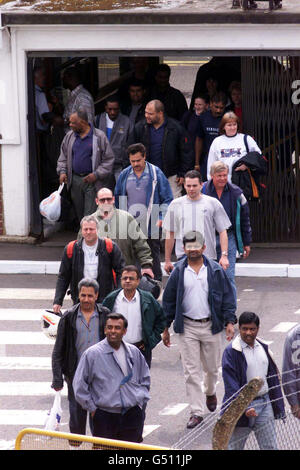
<point x="25" y="372"/>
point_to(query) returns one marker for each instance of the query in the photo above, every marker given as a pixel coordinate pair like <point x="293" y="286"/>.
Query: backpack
<point x="109" y="249"/>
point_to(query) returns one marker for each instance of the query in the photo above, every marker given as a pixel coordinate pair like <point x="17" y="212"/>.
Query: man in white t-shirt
<point x="195" y="212"/>
<point x="97" y="258"/>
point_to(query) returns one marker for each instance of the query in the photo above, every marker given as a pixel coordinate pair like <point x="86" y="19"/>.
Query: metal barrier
<point x="39" y="439"/>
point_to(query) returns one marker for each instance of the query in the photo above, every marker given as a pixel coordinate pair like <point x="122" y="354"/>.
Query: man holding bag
<point x="79" y="328"/>
<point x="86" y="160"/>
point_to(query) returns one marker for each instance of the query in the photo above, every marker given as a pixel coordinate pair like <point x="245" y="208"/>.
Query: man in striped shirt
<point x="79" y="98"/>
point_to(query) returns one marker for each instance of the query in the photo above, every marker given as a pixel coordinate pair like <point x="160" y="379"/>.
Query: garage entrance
<point x="270" y="115"/>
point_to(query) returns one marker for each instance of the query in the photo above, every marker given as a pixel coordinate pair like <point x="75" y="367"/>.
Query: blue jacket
<point x="220" y="297"/>
<point x="162" y="194"/>
<point x="234" y="370"/>
<point x="239" y="208"/>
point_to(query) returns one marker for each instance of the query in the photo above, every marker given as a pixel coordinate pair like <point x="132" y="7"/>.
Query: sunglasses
<point x="105" y="199"/>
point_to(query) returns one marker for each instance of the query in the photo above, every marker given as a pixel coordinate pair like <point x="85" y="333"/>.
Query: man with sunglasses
<point x="122" y="228"/>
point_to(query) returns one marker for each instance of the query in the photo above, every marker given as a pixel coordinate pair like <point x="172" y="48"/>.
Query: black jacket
<point x="64" y="356"/>
<point x="258" y="166"/>
<point x="71" y="271"/>
<point x="177" y="148"/>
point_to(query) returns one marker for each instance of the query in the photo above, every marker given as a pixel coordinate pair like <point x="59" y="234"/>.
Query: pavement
<point x="26" y="256"/>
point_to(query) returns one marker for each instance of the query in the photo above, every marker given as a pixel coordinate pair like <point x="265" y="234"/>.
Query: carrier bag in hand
<point x="50" y="208"/>
<point x="54" y="415"/>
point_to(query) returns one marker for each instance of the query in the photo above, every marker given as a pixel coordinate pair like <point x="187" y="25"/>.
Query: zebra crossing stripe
<point x="26" y="294"/>
<point x="24" y="337"/>
<point x="29" y="389"/>
<point x="21" y="363"/>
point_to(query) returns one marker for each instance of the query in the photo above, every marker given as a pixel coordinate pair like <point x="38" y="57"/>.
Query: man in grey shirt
<point x="195" y="212"/>
<point x="79" y="328"/>
<point x="112" y="382"/>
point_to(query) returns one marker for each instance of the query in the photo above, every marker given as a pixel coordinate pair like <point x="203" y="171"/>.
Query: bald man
<point x="123" y="229"/>
<point x="167" y="146"/>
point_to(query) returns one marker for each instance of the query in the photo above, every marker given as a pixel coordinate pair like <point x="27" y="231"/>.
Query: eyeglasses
<point x="105" y="199"/>
<point x="130" y="278"/>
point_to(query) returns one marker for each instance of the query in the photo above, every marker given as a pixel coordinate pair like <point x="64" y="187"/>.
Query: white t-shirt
<point x="120" y="355"/>
<point x="229" y="150"/>
<point x="90" y="260"/>
<point x="206" y="215"/>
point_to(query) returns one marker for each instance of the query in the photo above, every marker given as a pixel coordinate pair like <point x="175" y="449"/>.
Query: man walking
<point x="195" y="211"/>
<point x="85" y="162"/>
<point x="167" y="146"/>
<point x="291" y="370"/>
<point x="122" y="228"/>
<point x="173" y="100"/>
<point x="143" y="190"/>
<point x="199" y="299"/>
<point x="146" y="320"/>
<point x="112" y="383"/>
<point x="208" y="130"/>
<point x="79" y="97"/>
<point x="79" y="328"/>
<point x="92" y="257"/>
<point x="117" y="128"/>
<point x="246" y="358"/>
<point x="237" y="208"/>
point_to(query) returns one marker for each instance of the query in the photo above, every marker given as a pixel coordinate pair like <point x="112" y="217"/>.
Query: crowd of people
<point x="148" y="176"/>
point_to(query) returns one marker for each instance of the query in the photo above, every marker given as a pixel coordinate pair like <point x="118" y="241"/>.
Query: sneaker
<point x="194" y="421"/>
<point x="211" y="402"/>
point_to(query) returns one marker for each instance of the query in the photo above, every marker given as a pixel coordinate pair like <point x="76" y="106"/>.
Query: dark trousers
<point x="122" y="427"/>
<point x="78" y="416"/>
<point x="154" y="245"/>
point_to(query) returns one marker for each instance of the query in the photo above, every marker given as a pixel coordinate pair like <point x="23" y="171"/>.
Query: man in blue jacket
<point x="244" y="359"/>
<point x="237" y="208"/>
<point x="199" y="300"/>
<point x="143" y="190"/>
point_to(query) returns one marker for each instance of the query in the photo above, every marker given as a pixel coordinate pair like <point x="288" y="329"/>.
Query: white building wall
<point x="172" y="38"/>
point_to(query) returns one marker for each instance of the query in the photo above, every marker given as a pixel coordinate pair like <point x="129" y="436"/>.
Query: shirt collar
<point x="134" y="298"/>
<point x="245" y="345"/>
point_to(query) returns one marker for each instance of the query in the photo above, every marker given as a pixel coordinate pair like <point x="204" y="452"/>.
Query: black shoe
<point x="194" y="421"/>
<point x="211" y="402"/>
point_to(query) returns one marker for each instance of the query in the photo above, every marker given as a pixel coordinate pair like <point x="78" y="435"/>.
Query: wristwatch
<point x="224" y="253"/>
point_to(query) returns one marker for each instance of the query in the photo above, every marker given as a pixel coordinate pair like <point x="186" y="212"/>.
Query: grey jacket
<point x="102" y="157"/>
<point x="119" y="136"/>
<point x="100" y="383"/>
<point x="291" y="366"/>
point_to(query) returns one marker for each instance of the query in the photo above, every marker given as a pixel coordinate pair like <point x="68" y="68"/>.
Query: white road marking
<point x="7" y="445"/>
<point x="283" y="327"/>
<point x="24" y="337"/>
<point x="248" y="290"/>
<point x="173" y="409"/>
<point x="25" y="362"/>
<point x="149" y="428"/>
<point x="297" y="311"/>
<point x="21" y="314"/>
<point x="23" y="417"/>
<point x="28" y="389"/>
<point x="25" y="294"/>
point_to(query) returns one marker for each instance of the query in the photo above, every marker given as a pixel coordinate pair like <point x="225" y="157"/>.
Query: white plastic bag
<point x="54" y="415"/>
<point x="50" y="208"/>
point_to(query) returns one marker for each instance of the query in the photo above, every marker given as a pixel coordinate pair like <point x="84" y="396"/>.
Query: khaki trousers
<point x="201" y="357"/>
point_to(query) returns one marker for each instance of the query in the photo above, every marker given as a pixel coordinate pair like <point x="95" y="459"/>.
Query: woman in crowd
<point x="230" y="145"/>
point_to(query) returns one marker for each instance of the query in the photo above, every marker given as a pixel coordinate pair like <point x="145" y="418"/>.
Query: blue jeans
<point x="263" y="426"/>
<point x="232" y="248"/>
